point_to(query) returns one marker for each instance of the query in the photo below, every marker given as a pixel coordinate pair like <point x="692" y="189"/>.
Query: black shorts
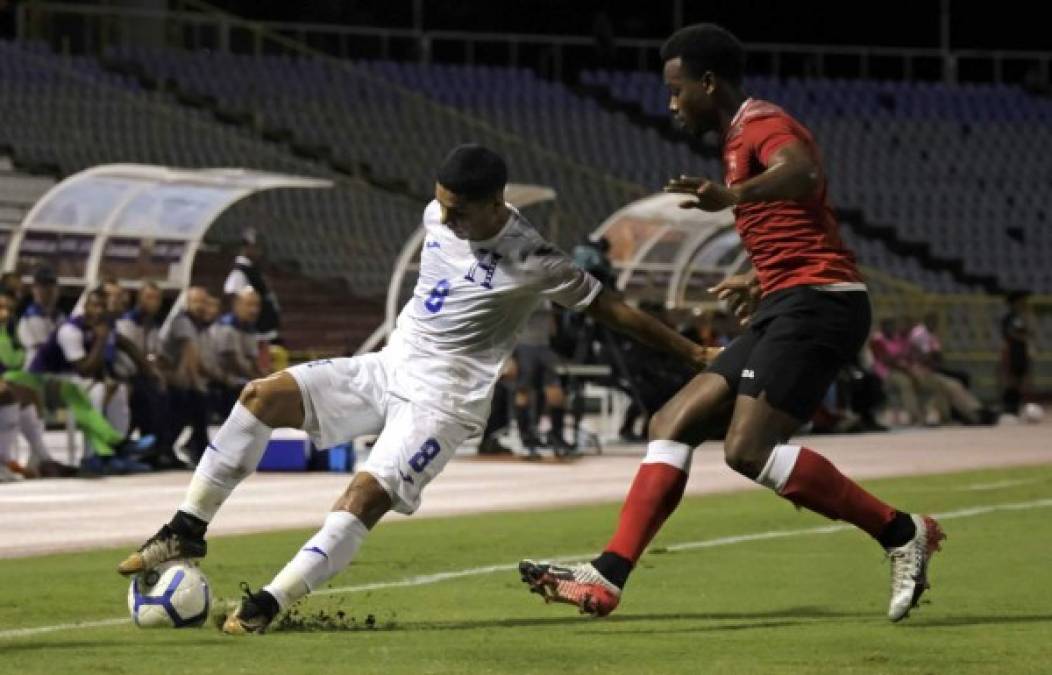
<point x="794" y="346"/>
<point x="536" y="366"/>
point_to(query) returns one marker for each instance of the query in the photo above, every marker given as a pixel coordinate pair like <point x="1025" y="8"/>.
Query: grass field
<point x="791" y="600"/>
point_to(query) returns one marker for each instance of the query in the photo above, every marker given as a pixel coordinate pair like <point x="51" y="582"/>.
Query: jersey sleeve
<point x="32" y="331"/>
<point x="561" y="280"/>
<point x="768" y="135"/>
<point x="71" y="341"/>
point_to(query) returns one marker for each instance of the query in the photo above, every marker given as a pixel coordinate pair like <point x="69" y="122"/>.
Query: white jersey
<point x="470" y="303"/>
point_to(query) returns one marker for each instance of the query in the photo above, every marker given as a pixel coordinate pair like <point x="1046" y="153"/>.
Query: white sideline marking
<point x="426" y="579"/>
<point x="997" y="485"/>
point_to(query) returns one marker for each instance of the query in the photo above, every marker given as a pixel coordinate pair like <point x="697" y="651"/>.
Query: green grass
<point x="811" y="603"/>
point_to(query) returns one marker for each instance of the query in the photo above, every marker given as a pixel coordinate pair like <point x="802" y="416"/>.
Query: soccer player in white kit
<point x="483" y="269"/>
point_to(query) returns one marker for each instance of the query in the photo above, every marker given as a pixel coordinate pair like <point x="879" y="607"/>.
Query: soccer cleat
<point x="909" y="566"/>
<point x="251" y="614"/>
<point x="162" y="547"/>
<point x="581" y="585"/>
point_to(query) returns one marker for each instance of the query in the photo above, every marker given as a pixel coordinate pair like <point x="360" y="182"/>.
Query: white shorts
<point x="349" y="397"/>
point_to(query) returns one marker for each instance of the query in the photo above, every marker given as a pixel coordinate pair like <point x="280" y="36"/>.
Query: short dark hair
<point x="707" y="47"/>
<point x="473" y="172"/>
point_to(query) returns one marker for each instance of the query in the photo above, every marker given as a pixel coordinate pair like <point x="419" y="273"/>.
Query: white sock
<point x="232" y="455"/>
<point x="779" y="465"/>
<point x="8" y="431"/>
<point x="320" y="559"/>
<point x="672" y="453"/>
<point x="32" y="428"/>
<point x="117" y="411"/>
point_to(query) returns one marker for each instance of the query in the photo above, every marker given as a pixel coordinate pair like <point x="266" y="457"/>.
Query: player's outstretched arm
<point x="611" y="311"/>
<point x="792" y="174"/>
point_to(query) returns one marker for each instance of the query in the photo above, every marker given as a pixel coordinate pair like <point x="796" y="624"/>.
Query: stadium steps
<point x="254" y="123"/>
<point x="320" y="317"/>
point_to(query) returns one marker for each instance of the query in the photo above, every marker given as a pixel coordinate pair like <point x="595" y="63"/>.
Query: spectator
<point x="83" y="351"/>
<point x="927" y="348"/>
<point x="892" y="363"/>
<point x="186" y="377"/>
<point x="42" y="316"/>
<point x="11" y="283"/>
<point x="19" y="406"/>
<point x="953" y="385"/>
<point x="1016" y="353"/>
<point x="537" y="387"/>
<point x="117" y="302"/>
<point x="141" y="326"/>
<point x="247" y="273"/>
<point x="704" y="331"/>
<point x="233" y="341"/>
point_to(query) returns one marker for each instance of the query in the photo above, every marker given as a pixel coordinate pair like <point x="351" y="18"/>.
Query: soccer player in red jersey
<point x="806" y="312"/>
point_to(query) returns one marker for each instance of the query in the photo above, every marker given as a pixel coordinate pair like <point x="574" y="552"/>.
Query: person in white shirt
<point x="42" y="316"/>
<point x="247" y="273"/>
<point x="483" y="270"/>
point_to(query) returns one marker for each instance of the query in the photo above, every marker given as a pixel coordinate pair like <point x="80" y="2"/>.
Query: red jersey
<point x="791" y="243"/>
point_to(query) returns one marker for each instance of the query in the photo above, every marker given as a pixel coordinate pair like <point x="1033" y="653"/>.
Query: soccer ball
<point x="172" y="595"/>
<point x="1032" y="413"/>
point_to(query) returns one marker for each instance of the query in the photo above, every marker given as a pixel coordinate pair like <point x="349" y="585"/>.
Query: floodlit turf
<point x="807" y="603"/>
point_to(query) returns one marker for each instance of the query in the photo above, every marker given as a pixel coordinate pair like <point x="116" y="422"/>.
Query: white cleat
<point x="909" y="566"/>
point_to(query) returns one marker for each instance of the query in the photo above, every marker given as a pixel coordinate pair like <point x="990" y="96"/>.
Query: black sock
<point x="185" y="525"/>
<point x="266" y="603"/>
<point x="898" y="532"/>
<point x="557" y="415"/>
<point x="522" y="419"/>
<point x="613" y="567"/>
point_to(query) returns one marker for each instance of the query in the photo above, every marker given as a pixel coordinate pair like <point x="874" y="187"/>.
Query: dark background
<point x="974" y="25"/>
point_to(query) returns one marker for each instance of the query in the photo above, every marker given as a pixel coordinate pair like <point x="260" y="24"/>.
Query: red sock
<point x="654" y="495"/>
<point x="816" y="484"/>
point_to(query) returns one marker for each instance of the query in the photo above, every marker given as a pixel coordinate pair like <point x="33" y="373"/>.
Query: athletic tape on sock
<point x="779" y="466"/>
<point x="671" y="453"/>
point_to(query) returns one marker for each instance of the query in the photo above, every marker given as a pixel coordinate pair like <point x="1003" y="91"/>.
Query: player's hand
<point x="741" y="292"/>
<point x="708" y="195"/>
<point x="703" y="356"/>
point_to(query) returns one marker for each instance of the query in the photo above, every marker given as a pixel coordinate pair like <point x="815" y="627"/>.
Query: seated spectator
<point x="927" y="348"/>
<point x="186" y="376"/>
<point x="11" y="283"/>
<point x="148" y="399"/>
<point x="83" y="351"/>
<point x="235" y="348"/>
<point x="19" y="406"/>
<point x="42" y="316"/>
<point x="893" y="364"/>
<point x="704" y="330"/>
<point x="953" y="385"/>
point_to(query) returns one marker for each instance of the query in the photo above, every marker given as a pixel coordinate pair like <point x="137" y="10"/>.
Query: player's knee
<point x="663" y="425"/>
<point x="744" y="455"/>
<point x="274" y="400"/>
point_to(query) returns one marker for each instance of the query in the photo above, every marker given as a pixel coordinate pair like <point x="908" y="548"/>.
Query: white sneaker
<point x="909" y="566"/>
<point x="9" y="476"/>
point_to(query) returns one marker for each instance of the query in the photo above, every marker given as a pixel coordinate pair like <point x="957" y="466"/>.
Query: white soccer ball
<point x="1032" y="413"/>
<point x="172" y="595"/>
